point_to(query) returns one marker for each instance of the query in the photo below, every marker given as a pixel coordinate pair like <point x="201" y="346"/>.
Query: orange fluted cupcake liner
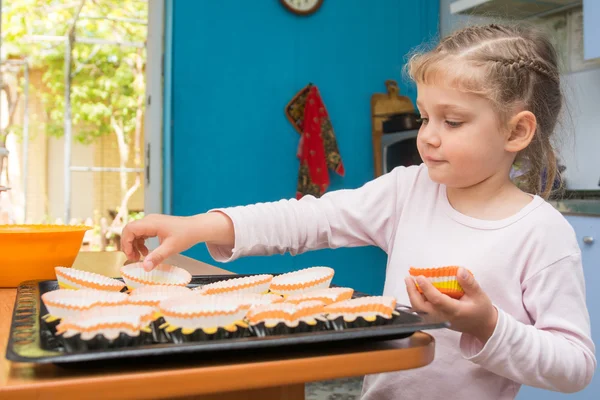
<point x="327" y="296"/>
<point x="69" y="278"/>
<point x="302" y="281"/>
<point x="248" y="284"/>
<point x="443" y="278"/>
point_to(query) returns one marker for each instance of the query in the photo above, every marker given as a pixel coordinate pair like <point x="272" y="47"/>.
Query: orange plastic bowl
<point x="32" y="251"/>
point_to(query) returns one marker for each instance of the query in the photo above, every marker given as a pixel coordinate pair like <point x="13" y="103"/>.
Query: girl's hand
<point x="473" y="313"/>
<point x="175" y="235"/>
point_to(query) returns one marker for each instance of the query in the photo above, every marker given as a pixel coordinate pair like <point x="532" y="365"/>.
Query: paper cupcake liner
<point x="153" y="295"/>
<point x="195" y="311"/>
<point x="69" y="278"/>
<point x="252" y="300"/>
<point x="147" y="314"/>
<point x="367" y="307"/>
<point x="343" y="322"/>
<point x="443" y="278"/>
<point x="249" y="284"/>
<point x="100" y="342"/>
<point x="103" y="332"/>
<point x="313" y="325"/>
<point x="135" y="276"/>
<point x="327" y="296"/>
<point x="65" y="303"/>
<point x="302" y="281"/>
<point x="289" y="314"/>
<point x="179" y="335"/>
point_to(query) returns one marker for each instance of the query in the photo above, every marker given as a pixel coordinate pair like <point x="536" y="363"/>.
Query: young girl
<point x="488" y="96"/>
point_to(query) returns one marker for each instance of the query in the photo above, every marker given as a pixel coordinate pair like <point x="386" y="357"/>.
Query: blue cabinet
<point x="588" y="234"/>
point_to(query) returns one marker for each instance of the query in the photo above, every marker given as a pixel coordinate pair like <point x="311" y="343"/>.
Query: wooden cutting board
<point x="383" y="104"/>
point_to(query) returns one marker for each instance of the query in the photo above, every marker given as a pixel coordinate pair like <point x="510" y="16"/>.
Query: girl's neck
<point x="492" y="199"/>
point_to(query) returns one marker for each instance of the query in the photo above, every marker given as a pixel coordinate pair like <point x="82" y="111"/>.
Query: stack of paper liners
<point x="196" y="317"/>
<point x="443" y="279"/>
<point x="106" y="327"/>
<point x="286" y="318"/>
<point x="361" y="312"/>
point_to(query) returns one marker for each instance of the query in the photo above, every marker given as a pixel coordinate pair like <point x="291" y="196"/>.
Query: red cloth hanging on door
<point x="318" y="150"/>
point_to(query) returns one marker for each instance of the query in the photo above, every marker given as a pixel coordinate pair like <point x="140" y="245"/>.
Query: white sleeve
<point x="556" y="352"/>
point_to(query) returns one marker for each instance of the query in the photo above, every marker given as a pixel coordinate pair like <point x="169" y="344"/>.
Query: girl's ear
<point x="522" y="129"/>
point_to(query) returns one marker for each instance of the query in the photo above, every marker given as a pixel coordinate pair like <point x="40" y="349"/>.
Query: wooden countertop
<point x="266" y="376"/>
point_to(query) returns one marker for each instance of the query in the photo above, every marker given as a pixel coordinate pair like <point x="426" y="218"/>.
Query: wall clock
<point x="302" y="7"/>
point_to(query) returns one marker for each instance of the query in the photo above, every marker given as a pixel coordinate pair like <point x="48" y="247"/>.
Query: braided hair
<point x="511" y="66"/>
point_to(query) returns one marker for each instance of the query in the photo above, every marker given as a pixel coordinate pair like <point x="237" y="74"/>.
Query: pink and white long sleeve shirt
<point x="529" y="265"/>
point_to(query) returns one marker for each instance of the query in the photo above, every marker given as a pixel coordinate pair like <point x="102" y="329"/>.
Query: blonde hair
<point x="512" y="66"/>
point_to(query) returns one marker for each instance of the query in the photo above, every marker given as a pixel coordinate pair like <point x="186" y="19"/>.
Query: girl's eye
<point x="453" y="124"/>
<point x="423" y="121"/>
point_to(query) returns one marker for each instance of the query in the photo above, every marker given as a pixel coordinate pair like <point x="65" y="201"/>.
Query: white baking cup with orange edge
<point x="368" y="307"/>
<point x="153" y="295"/>
<point x="110" y="326"/>
<point x="68" y="303"/>
<point x="288" y="313"/>
<point x="327" y="296"/>
<point x="135" y="276"/>
<point x="302" y="281"/>
<point x="69" y="278"/>
<point x="207" y="312"/>
<point x="246" y="284"/>
<point x="251" y="300"/>
<point x="146" y="313"/>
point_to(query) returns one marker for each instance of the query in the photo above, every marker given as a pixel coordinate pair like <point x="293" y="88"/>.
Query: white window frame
<point x="154" y="137"/>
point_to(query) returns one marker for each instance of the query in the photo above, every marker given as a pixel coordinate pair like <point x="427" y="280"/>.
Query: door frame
<point x="157" y="138"/>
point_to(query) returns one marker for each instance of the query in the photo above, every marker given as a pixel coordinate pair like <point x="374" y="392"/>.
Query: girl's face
<point x="460" y="139"/>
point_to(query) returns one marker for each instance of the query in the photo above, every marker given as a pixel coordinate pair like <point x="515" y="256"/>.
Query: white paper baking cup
<point x="366" y="307"/>
<point x="153" y="295"/>
<point x="196" y="311"/>
<point x="287" y="313"/>
<point x="302" y="281"/>
<point x="247" y="284"/>
<point x="136" y="276"/>
<point x="69" y="278"/>
<point x="251" y="300"/>
<point x="327" y="296"/>
<point x="67" y="303"/>
<point x="110" y="326"/>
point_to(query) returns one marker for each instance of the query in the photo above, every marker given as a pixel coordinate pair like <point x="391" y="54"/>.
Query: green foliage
<point x="106" y="81"/>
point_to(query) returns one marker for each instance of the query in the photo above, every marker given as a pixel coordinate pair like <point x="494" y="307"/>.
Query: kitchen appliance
<point x="399" y="149"/>
<point x="394" y="124"/>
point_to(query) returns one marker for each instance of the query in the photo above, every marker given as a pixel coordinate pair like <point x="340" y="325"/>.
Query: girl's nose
<point x="428" y="135"/>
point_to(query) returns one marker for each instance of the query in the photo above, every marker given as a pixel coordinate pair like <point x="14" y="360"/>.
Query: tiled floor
<point x="339" y="389"/>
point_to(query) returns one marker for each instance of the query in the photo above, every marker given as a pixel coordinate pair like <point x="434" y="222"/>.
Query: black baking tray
<point x="30" y="340"/>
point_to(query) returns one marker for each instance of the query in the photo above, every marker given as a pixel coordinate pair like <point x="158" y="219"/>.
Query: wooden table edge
<point x="201" y="380"/>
